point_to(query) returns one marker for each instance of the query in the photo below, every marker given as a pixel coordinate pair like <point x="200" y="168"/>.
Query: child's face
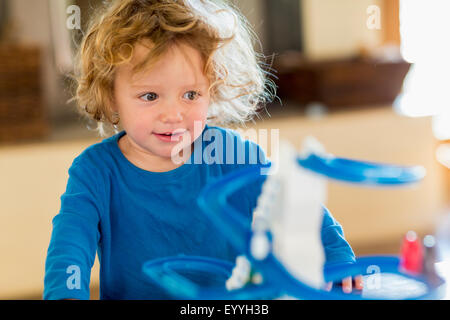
<point x="169" y="97"/>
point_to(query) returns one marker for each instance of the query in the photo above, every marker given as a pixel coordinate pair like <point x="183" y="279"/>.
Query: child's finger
<point x="359" y="282"/>
<point x="328" y="286"/>
<point x="347" y="285"/>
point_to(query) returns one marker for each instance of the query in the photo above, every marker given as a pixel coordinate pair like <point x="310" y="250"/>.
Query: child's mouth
<point x="169" y="137"/>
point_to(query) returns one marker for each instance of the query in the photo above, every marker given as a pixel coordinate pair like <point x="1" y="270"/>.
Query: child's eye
<point x="191" y="95"/>
<point x="151" y="96"/>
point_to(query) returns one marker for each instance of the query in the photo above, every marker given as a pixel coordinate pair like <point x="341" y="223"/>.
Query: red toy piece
<point x="411" y="260"/>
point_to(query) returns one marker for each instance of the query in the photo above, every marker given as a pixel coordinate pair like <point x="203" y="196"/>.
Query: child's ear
<point x="114" y="113"/>
<point x="115" y="118"/>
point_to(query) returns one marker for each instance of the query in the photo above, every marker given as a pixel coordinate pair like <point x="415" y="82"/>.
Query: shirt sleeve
<point x="337" y="249"/>
<point x="75" y="235"/>
<point x="246" y="198"/>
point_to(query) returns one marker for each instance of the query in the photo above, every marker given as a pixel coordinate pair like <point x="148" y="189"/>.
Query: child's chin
<point x="164" y="154"/>
<point x="171" y="151"/>
<point x="167" y="153"/>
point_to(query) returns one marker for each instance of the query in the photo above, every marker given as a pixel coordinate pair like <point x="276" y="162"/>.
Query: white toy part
<point x="240" y="274"/>
<point x="290" y="207"/>
<point x="297" y="223"/>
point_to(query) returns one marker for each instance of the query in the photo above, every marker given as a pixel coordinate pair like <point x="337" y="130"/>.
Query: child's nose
<point x="171" y="114"/>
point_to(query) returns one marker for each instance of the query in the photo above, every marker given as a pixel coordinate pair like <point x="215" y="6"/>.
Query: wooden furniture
<point x="340" y="84"/>
<point x="22" y="114"/>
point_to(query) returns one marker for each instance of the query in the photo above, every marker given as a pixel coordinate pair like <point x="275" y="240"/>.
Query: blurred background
<point x="368" y="78"/>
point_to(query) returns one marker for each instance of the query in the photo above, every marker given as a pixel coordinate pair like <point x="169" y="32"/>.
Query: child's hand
<point x="347" y="284"/>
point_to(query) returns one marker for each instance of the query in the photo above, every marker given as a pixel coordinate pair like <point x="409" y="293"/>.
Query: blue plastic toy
<point x="273" y="279"/>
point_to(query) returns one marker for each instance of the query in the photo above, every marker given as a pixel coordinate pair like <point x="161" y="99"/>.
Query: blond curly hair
<point x="238" y="75"/>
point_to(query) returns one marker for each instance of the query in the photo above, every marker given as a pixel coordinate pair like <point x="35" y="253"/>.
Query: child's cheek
<point x="197" y="121"/>
<point x="198" y="112"/>
<point x="141" y="129"/>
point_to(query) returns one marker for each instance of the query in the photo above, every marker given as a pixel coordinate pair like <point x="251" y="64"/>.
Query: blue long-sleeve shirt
<point x="129" y="215"/>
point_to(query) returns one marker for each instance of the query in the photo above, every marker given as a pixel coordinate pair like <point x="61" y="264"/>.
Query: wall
<point x="254" y="11"/>
<point x="337" y="28"/>
<point x="331" y="28"/>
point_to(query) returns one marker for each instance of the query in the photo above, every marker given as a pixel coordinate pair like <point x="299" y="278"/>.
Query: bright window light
<point x="425" y="30"/>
